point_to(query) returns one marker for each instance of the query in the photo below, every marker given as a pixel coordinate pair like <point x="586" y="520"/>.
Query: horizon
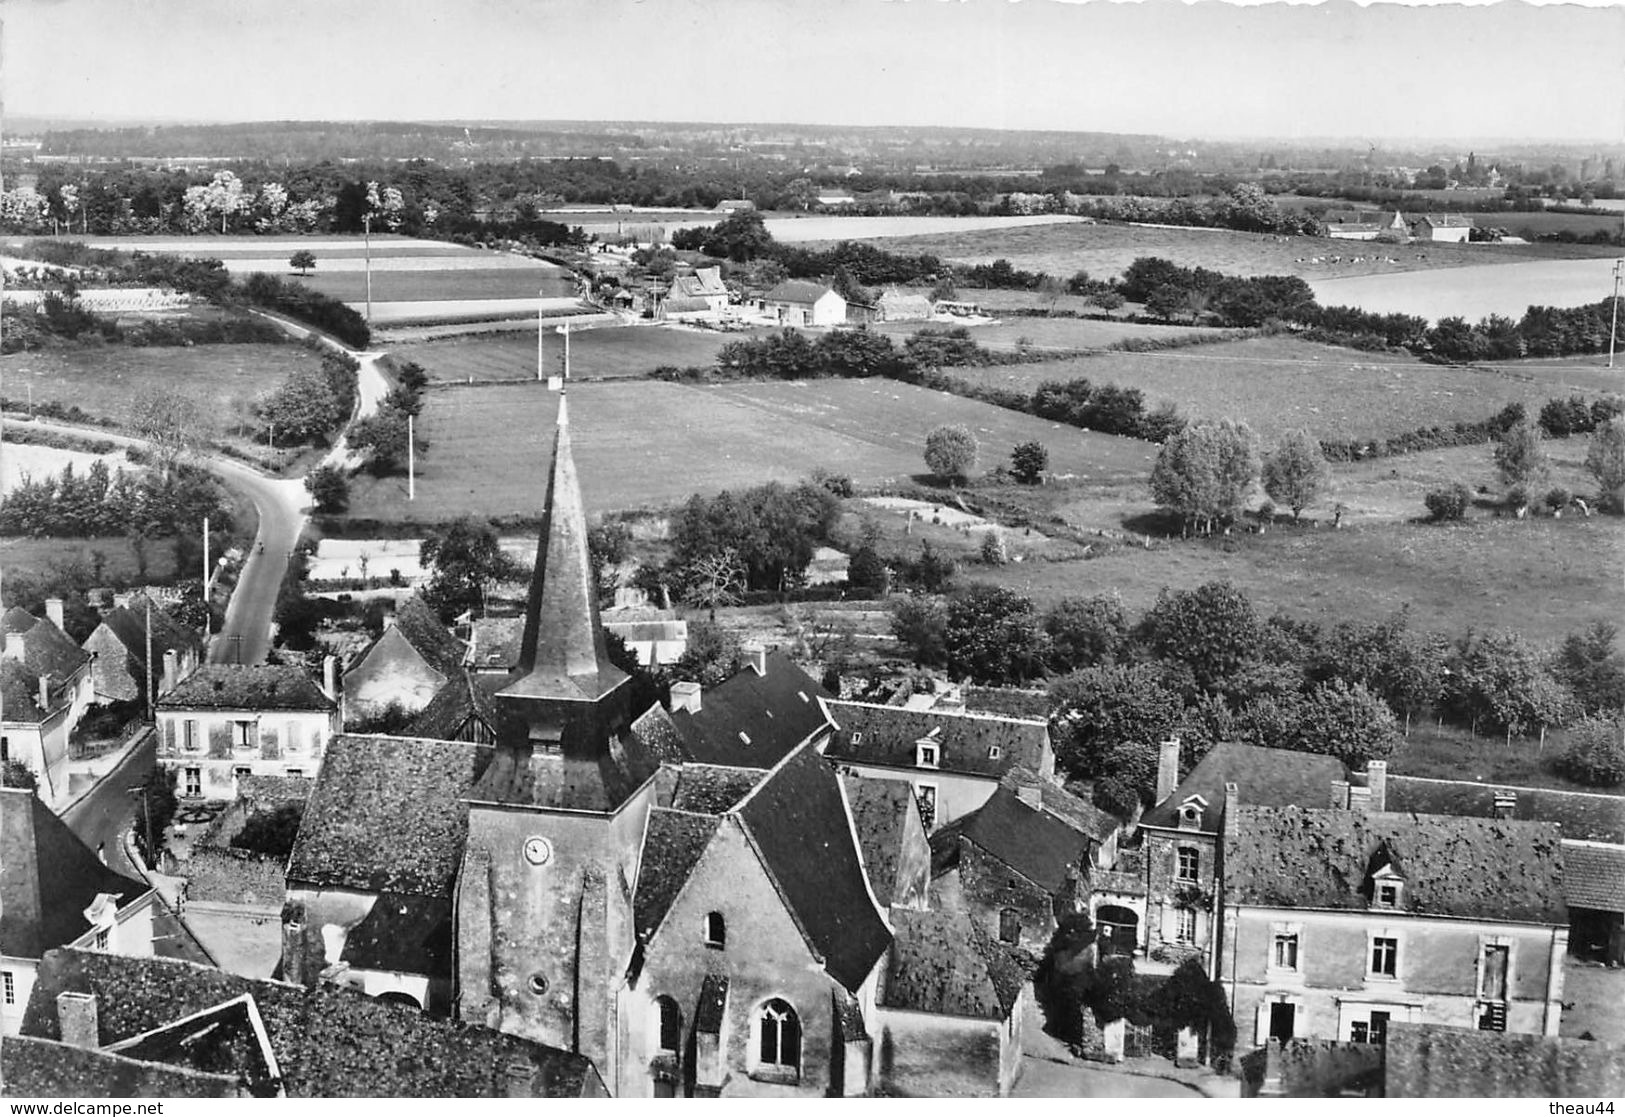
<point x="1210" y="72"/>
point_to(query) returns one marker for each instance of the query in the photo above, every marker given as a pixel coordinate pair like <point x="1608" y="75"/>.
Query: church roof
<point x="672" y="845"/>
<point x="562" y="656"/>
<point x="882" y="810"/>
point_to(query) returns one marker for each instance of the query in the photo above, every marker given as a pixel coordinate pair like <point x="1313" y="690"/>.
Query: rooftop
<point x="1045" y="845"/>
<point x="881" y="811"/>
<point x="421" y="628"/>
<point x="1433" y="1061"/>
<point x="1584" y="815"/>
<point x="1594" y="876"/>
<point x="967" y="744"/>
<point x="799" y="291"/>
<point x="1265" y="777"/>
<point x="47" y="650"/>
<point x="941" y="962"/>
<point x="219" y="686"/>
<point x="754" y="720"/>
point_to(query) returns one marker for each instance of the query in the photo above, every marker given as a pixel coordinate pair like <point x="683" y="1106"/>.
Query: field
<point x="594" y="354"/>
<point x="39" y="556"/>
<point x="1044" y="333"/>
<point x="1277" y="384"/>
<point x="24" y="459"/>
<point x="651" y="444"/>
<point x="437" y="286"/>
<point x="106" y="381"/>
<point x="1473" y="292"/>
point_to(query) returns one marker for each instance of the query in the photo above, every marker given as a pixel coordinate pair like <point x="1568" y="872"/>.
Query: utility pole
<point x="1613" y="328"/>
<point x="366" y="240"/>
<point x="541" y="331"/>
<point x="565" y="330"/>
<point x="149" y="659"/>
<point x="208" y="614"/>
<point x="411" y="463"/>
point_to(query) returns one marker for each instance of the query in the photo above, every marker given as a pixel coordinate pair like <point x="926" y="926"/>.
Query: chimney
<point x="685" y="696"/>
<point x="330" y="676"/>
<point x="172" y="669"/>
<point x="44" y="692"/>
<point x="756" y="658"/>
<point x="1376" y="778"/>
<point x="1360" y="799"/>
<point x="14" y="645"/>
<point x="76" y="1018"/>
<point x="1167" y="768"/>
<point x="1232" y="802"/>
<point x="53" y="610"/>
<point x="1506" y="803"/>
<point x="293" y="944"/>
<point x="1032" y="795"/>
<point x="1340" y="795"/>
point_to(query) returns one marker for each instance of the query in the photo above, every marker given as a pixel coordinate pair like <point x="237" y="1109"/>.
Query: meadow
<point x="603" y="353"/>
<point x="419" y="285"/>
<point x="112" y="555"/>
<point x="1064" y="334"/>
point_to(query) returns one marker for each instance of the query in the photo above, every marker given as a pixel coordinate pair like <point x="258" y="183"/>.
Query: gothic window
<point x="671" y="1024"/>
<point x="716" y="930"/>
<point x="780" y="1046"/>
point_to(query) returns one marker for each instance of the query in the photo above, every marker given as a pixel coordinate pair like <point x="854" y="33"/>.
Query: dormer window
<point x="1191" y="811"/>
<point x="716" y="931"/>
<point x="925" y="754"/>
<point x="1387" y="886"/>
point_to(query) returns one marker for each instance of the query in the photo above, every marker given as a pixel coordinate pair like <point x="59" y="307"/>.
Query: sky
<point x="1204" y="70"/>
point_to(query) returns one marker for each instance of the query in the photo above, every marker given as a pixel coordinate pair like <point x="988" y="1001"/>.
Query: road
<point x="104" y="816"/>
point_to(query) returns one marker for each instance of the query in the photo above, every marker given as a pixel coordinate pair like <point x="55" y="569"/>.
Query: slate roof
<point x="713" y="789"/>
<point x="1445" y="221"/>
<point x="941" y="962"/>
<point x="128" y="624"/>
<point x="880" y="813"/>
<point x="403" y="934"/>
<point x="658" y="735"/>
<point x="463" y="697"/>
<point x="1041" y="845"/>
<point x="38" y="1068"/>
<point x="1434" y="1061"/>
<point x="1264" y="777"/>
<point x="684" y="304"/>
<point x="1080" y="814"/>
<point x="774" y="713"/>
<point x="48" y="877"/>
<point x="886" y="736"/>
<point x="1465" y="867"/>
<point x="47" y="650"/>
<point x="672" y="844"/>
<point x="328" y="1041"/>
<point x="19" y="694"/>
<point x="1584" y="816"/>
<point x="802" y="292"/>
<point x="386" y="815"/>
<point x="584" y="776"/>
<point x="1594" y="876"/>
<point x="797" y="820"/>
<point x="421" y="628"/>
<point x="224" y="686"/>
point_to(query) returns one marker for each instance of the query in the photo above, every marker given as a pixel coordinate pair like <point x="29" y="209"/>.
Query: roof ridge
<point x="972" y="715"/>
<point x="1514" y="786"/>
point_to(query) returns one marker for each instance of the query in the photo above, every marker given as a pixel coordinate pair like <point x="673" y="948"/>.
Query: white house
<point x="801" y="302"/>
<point x="1447" y="227"/>
<point x="45" y="688"/>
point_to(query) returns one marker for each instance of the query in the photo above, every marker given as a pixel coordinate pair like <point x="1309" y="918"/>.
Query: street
<point x="103" y="816"/>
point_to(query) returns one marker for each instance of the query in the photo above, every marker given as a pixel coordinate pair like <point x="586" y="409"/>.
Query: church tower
<point x="544" y="925"/>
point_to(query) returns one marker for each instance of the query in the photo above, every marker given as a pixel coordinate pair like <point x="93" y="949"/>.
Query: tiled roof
<point x="19" y="694"/>
<point x="941" y="962"/>
<point x="463" y="697"/>
<point x="1080" y="814"/>
<point x="797" y="820"/>
<point x="967" y="744"/>
<point x="1041" y="845"/>
<point x="1447" y="220"/>
<point x="1584" y="816"/>
<point x="223" y="686"/>
<point x="39" y="1068"/>
<point x="1594" y="876"/>
<point x="712" y="788"/>
<point x="802" y="292"/>
<point x="270" y="792"/>
<point x="1433" y="1061"/>
<point x="328" y="1041"/>
<point x="684" y="304"/>
<point x="128" y="624"/>
<point x="1264" y="777"/>
<point x="387" y="815"/>
<point x="754" y="721"/>
<point x="47" y="650"/>
<point x="48" y="877"/>
<point x="403" y="934"/>
<point x="1466" y="867"/>
<point x="880" y="811"/>
<point x="658" y="735"/>
<point x="494" y="645"/>
<point x="421" y="628"/>
<point x="672" y="845"/>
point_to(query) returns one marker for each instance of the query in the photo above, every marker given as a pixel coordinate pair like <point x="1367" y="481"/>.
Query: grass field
<point x="594" y="354"/>
<point x="1282" y="383"/>
<point x="119" y="565"/>
<point x="24" y="459"/>
<point x="1105" y="250"/>
<point x="651" y="444"/>
<point x="436" y="285"/>
<point x="1046" y="333"/>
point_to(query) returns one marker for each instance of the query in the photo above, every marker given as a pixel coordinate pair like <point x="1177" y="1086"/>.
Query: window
<point x="1373" y="1031"/>
<point x="102" y="939"/>
<point x="1009" y="925"/>
<point x="926" y="755"/>
<point x="926" y="795"/>
<point x="857" y="739"/>
<point x="8" y="986"/>
<point x="193" y="739"/>
<point x="290" y="738"/>
<point x="1387" y="895"/>
<point x="994" y="752"/>
<point x="1284" y="951"/>
<point x="5" y="749"/>
<point x="241" y="772"/>
<point x="296" y="773"/>
<point x="1384" y="957"/>
<point x="670" y="1019"/>
<point x="242" y="734"/>
<point x="194" y="782"/>
<point x="1184" y="925"/>
<point x="1492" y="972"/>
<point x="1189" y="869"/>
<point x="780" y="1046"/>
<point x="716" y="931"/>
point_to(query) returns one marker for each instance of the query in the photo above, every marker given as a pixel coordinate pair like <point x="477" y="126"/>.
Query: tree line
<point x="104" y="502"/>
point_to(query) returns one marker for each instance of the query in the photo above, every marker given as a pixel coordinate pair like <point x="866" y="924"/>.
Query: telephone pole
<point x="1613" y="328"/>
<point x="411" y="463"/>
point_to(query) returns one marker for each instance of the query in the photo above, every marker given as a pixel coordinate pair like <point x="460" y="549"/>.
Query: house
<point x="1024" y="860"/>
<point x="193" y="1026"/>
<point x="45" y="688"/>
<point x="949" y="1007"/>
<point x="830" y="197"/>
<point x="900" y="306"/>
<point x="953" y="760"/>
<point x="802" y="302"/>
<point x="464" y="710"/>
<point x="55" y="892"/>
<point x="1434" y="1061"/>
<point x="891" y="838"/>
<point x="759" y="943"/>
<point x="1366" y="226"/>
<point x="754" y="718"/>
<point x="1339" y="922"/>
<point x="655" y="642"/>
<point x="700" y="294"/>
<point x="371" y="882"/>
<point x="735" y="205"/>
<point x="121" y="644"/>
<point x="1448" y="227"/>
<point x="410" y="662"/>
<point x="1180" y="835"/>
<point x="224" y="721"/>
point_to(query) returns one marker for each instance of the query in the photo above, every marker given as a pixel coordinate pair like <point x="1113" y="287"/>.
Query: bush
<point x="1558" y="499"/>
<point x="329" y="488"/>
<point x="270" y="833"/>
<point x="950" y="451"/>
<point x="1448" y="504"/>
<point x="1596" y="752"/>
<point x="1028" y="461"/>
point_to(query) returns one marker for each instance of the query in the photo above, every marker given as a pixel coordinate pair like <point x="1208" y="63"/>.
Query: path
<point x="106" y="813"/>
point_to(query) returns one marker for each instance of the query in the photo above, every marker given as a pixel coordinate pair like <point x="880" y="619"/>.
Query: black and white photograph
<point x="1034" y="549"/>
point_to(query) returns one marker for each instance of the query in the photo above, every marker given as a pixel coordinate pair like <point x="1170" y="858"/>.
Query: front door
<point x="1379" y="1028"/>
<point x="1283" y="1014"/>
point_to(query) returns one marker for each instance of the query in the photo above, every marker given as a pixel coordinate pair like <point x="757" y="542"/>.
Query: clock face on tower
<point x="538" y="850"/>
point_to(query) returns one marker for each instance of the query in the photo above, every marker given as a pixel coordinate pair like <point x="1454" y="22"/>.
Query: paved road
<point x="102" y="817"/>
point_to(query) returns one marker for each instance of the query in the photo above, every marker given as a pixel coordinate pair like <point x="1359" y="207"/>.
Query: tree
<point x="741" y="237"/>
<point x="865" y="569"/>
<point x="154" y="813"/>
<point x="1296" y="472"/>
<point x="302" y="261"/>
<point x="1596" y="752"/>
<point x="1211" y="631"/>
<point x="1205" y="472"/>
<point x="1605" y="458"/>
<point x="1448" y="504"/>
<point x="14" y="773"/>
<point x="465" y="557"/>
<point x="950" y="452"/>
<point x="1348" y="722"/>
<point x="302" y="409"/>
<point x="992" y="635"/>
<point x="713" y="654"/>
<point x="1501" y="682"/>
<point x="714" y="580"/>
<point x="270" y="833"/>
<point x="920" y="623"/>
<point x="1520" y="458"/>
<point x="381" y="439"/>
<point x="1591" y="666"/>
<point x="168" y="419"/>
<point x="994" y="550"/>
<point x="1085" y="631"/>
<point x="1099" y="709"/>
<point x="1028" y="461"/>
<point x="329" y="487"/>
<point x="850" y="289"/>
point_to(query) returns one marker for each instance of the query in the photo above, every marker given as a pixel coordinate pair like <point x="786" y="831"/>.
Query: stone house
<point x="702" y="295"/>
<point x="120" y="646"/>
<point x="224" y="721"/>
<point x="55" y="892"/>
<point x="1450" y="228"/>
<point x="410" y="662"/>
<point x="949" y="1009"/>
<point x="1338" y="923"/>
<point x="953" y="760"/>
<point x="45" y="688"/>
<point x="139" y="1020"/>
<point x="803" y="302"/>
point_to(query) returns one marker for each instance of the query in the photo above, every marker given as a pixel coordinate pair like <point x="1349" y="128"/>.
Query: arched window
<point x="716" y="930"/>
<point x="780" y="1047"/>
<point x="671" y="1024"/>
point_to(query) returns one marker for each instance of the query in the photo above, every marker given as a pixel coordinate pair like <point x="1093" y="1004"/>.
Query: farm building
<point x="1366" y="226"/>
<point x="701" y="295"/>
<point x="735" y="205"/>
<point x="899" y="306"/>
<point x="1447" y="227"/>
<point x="801" y="302"/>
